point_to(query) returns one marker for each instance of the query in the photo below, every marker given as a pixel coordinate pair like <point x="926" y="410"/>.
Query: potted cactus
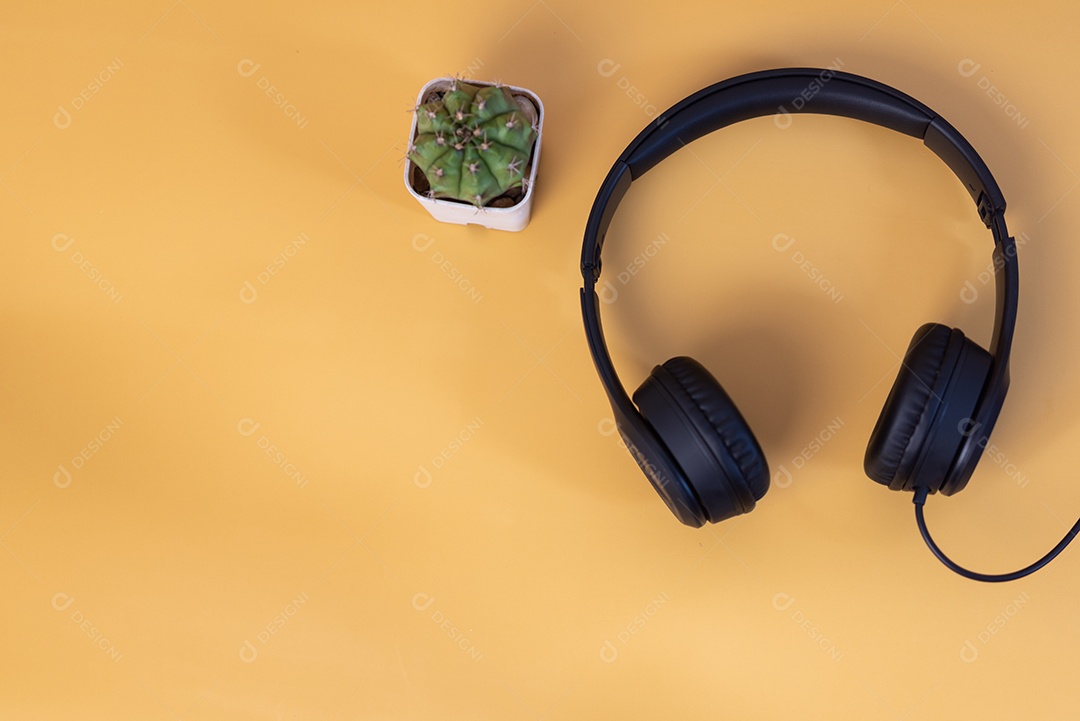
<point x="473" y="152"/>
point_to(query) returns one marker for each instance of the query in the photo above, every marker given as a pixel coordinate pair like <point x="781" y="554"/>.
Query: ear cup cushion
<point x="889" y="453"/>
<point x="724" y="419"/>
<point x="723" y="459"/>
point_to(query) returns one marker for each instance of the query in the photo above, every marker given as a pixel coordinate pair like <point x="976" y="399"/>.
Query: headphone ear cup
<point x="707" y="436"/>
<point x="921" y="427"/>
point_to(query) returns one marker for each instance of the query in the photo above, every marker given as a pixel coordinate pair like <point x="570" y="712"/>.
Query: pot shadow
<point x="541" y="33"/>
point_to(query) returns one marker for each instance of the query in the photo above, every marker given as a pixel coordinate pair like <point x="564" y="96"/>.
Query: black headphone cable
<point x="920" y="498"/>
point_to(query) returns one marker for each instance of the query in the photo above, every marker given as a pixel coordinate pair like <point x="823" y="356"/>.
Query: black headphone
<point x="682" y="428"/>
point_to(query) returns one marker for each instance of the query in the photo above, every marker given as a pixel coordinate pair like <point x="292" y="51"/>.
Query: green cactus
<point x="473" y="144"/>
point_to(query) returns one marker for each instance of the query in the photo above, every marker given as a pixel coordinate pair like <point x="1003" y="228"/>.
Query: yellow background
<point x="431" y="518"/>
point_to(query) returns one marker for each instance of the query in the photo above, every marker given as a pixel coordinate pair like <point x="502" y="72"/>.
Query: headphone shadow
<point x="769" y="364"/>
<point x="956" y="94"/>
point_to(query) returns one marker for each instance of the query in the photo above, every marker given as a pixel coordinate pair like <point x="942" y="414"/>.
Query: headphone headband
<point x="797" y="90"/>
<point x="805" y="90"/>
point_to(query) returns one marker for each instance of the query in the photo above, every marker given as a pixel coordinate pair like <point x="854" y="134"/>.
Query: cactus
<point x="473" y="144"/>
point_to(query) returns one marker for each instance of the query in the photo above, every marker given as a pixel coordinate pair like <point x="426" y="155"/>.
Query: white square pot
<point x="514" y="218"/>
